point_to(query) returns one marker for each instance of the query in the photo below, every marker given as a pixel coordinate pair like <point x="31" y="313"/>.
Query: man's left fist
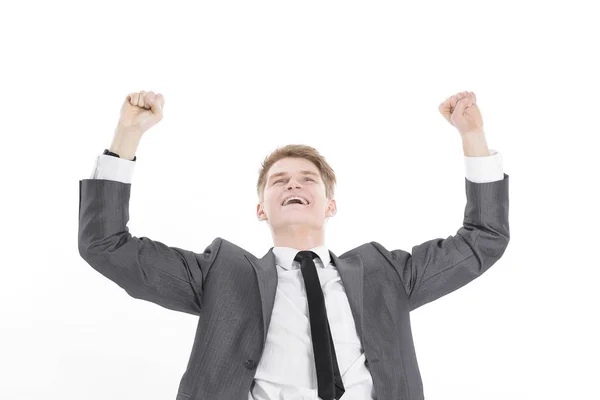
<point x="462" y="112"/>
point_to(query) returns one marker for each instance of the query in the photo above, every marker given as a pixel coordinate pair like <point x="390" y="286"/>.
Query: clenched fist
<point x="462" y="112"/>
<point x="141" y="111"/>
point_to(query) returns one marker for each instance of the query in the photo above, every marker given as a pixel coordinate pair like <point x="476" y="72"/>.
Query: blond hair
<point x="299" y="151"/>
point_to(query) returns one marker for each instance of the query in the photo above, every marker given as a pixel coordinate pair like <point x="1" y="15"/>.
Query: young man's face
<point x="295" y="218"/>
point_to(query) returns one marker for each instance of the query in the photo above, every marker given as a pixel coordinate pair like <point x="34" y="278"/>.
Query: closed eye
<point x="279" y="180"/>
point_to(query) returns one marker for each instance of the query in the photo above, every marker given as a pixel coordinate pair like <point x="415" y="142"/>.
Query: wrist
<point x="125" y="147"/>
<point x="475" y="145"/>
<point x="125" y="141"/>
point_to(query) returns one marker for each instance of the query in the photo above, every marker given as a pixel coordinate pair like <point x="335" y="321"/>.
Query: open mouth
<point x="296" y="202"/>
<point x="296" y="205"/>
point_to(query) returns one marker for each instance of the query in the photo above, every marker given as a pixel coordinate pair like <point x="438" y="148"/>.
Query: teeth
<point x="303" y="201"/>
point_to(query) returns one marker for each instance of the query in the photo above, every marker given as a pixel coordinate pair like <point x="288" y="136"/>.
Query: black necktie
<point x="328" y="373"/>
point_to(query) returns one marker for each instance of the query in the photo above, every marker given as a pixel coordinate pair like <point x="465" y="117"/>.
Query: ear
<point x="332" y="207"/>
<point x="260" y="213"/>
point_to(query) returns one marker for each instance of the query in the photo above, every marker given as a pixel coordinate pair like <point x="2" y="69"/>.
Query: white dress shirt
<point x="286" y="370"/>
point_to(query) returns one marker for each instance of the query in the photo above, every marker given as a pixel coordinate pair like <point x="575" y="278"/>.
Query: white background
<point x="359" y="81"/>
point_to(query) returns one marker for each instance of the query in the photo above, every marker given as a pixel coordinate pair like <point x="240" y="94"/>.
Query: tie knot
<point x="311" y="255"/>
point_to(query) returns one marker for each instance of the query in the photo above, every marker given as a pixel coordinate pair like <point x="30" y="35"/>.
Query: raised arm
<point x="146" y="269"/>
<point x="439" y="266"/>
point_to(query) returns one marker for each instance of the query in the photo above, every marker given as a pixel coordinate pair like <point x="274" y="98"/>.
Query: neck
<point x="301" y="238"/>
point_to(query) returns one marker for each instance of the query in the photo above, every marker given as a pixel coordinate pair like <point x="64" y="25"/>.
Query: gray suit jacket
<point x="232" y="291"/>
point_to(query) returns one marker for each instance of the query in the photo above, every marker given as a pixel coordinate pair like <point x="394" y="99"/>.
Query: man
<point x="300" y="322"/>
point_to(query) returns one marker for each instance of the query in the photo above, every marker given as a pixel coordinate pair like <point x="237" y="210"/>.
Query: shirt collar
<point x="284" y="257"/>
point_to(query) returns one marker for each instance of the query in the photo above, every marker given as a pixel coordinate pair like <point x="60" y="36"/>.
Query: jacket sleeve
<point x="146" y="269"/>
<point x="440" y="266"/>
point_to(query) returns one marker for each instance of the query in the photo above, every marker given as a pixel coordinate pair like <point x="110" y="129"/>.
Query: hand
<point x="462" y="112"/>
<point x="141" y="111"/>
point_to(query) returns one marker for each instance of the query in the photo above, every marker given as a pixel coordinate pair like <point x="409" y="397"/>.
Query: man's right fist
<point x="141" y="111"/>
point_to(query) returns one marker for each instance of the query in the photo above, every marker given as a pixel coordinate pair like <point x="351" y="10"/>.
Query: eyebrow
<point x="305" y="172"/>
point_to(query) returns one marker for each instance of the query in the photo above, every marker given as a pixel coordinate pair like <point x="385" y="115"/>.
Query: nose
<point x="292" y="184"/>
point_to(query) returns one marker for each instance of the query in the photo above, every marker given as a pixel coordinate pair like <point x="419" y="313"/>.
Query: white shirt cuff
<point x="113" y="168"/>
<point x="485" y="168"/>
